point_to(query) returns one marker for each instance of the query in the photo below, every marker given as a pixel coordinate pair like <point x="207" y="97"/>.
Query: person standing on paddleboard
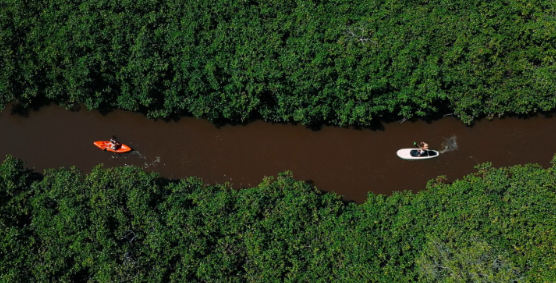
<point x="423" y="146"/>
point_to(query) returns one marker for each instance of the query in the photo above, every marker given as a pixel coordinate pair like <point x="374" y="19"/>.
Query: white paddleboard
<point x="413" y="154"/>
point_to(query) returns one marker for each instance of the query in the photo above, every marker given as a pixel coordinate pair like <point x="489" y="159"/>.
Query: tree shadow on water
<point x="23" y="109"/>
<point x="105" y="109"/>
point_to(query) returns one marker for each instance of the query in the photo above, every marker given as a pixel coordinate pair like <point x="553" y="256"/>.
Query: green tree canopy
<point x="344" y="62"/>
<point x="124" y="224"/>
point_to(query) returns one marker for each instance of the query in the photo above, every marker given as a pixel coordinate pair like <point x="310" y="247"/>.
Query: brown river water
<point x="350" y="162"/>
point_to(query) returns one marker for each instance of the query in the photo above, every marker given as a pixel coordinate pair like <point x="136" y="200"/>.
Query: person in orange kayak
<point x="114" y="144"/>
<point x="423" y="146"/>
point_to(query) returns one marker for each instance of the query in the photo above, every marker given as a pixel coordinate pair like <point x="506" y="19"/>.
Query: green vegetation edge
<point x="127" y="225"/>
<point x="343" y="62"/>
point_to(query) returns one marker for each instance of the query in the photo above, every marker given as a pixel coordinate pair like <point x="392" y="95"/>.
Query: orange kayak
<point x="105" y="145"/>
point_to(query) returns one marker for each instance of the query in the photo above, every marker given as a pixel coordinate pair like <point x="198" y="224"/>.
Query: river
<point x="350" y="162"/>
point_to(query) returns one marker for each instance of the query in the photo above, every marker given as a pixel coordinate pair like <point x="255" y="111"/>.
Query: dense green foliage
<point x="126" y="225"/>
<point x="338" y="61"/>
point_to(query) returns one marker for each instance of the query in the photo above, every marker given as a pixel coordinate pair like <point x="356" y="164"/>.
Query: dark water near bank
<point x="347" y="161"/>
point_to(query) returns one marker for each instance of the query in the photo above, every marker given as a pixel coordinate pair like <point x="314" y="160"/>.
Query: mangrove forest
<point x="123" y="224"/>
<point x="341" y="62"/>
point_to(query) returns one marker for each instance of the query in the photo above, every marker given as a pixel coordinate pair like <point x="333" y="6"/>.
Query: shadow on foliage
<point x="520" y="116"/>
<point x="544" y="114"/>
<point x="33" y="176"/>
<point x="320" y="192"/>
<point x="24" y="219"/>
